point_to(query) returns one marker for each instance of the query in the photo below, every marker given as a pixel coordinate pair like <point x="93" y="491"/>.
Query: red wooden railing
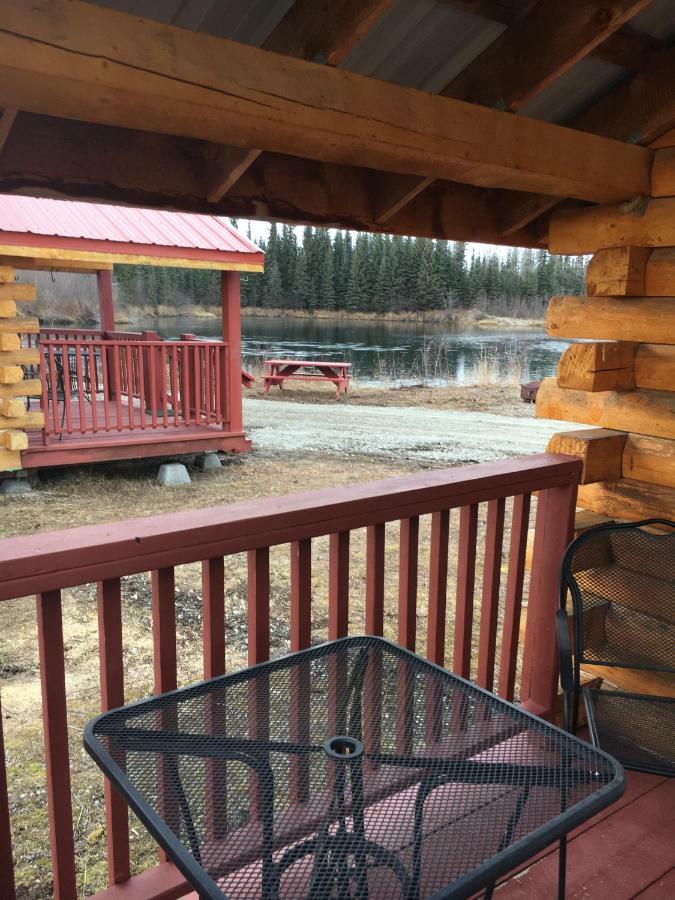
<point x="46" y="564"/>
<point x="94" y="385"/>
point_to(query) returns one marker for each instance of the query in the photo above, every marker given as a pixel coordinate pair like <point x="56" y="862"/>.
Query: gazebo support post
<point x="105" y="299"/>
<point x="231" y="319"/>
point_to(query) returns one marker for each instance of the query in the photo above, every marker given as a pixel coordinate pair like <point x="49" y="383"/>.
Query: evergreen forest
<point x="360" y="272"/>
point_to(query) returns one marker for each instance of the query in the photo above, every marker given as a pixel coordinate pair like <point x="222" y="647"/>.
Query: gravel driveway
<point x="400" y="432"/>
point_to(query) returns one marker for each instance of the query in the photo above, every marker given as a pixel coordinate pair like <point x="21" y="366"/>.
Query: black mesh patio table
<point x="354" y="768"/>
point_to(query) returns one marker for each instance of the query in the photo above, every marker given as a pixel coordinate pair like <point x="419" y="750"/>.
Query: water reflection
<point x="404" y="352"/>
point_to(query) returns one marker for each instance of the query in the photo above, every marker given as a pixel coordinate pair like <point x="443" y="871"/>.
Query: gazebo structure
<point x="100" y="394"/>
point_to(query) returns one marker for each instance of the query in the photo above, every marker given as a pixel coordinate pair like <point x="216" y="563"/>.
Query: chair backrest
<point x="622" y="582"/>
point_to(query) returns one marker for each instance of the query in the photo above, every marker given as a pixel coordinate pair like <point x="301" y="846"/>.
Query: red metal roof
<point x="121" y="229"/>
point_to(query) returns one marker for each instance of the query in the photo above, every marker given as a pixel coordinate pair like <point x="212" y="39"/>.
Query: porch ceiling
<point x="116" y="108"/>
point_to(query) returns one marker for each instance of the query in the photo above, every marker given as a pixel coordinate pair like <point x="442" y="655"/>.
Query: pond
<point x="381" y="351"/>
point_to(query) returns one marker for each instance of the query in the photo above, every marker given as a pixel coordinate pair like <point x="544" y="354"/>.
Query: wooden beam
<point x="603" y="366"/>
<point x="47" y="157"/>
<point x="628" y="500"/>
<point x="628" y="49"/>
<point x="322" y="31"/>
<point x="393" y="192"/>
<point x="663" y="173"/>
<point x="28" y="387"/>
<point x="640" y="111"/>
<point x="655" y="367"/>
<point x="9" y="114"/>
<point x="643" y="412"/>
<point x="544" y="44"/>
<point x="642" y="223"/>
<point x="642" y="319"/>
<point x="27" y="263"/>
<point x="600" y="450"/>
<point x="618" y="272"/>
<point x="649" y="459"/>
<point x="660" y="273"/>
<point x="112" y="68"/>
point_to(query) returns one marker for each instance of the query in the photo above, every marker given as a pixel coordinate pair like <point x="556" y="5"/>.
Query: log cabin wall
<point x="15" y="386"/>
<point x="623" y="379"/>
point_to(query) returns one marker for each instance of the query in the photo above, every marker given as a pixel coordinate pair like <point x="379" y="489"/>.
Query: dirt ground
<point x="104" y="493"/>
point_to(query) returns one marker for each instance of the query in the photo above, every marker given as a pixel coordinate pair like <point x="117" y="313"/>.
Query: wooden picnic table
<point x="279" y="370"/>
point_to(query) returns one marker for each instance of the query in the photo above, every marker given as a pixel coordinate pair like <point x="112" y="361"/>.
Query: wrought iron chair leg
<point x="562" y="867"/>
<point x="489" y="890"/>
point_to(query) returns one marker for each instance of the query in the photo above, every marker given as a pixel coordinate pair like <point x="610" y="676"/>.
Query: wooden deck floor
<point x="131" y="435"/>
<point x="624" y="852"/>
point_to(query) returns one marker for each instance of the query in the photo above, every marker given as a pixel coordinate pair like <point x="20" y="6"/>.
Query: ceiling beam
<point x="323" y="31"/>
<point x="628" y="49"/>
<point x="9" y="114"/>
<point x="639" y="111"/>
<point x="78" y="61"/>
<point x="56" y="157"/>
<point x="538" y="48"/>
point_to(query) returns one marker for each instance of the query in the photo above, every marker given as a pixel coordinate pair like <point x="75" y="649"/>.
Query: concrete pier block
<point x="172" y="475"/>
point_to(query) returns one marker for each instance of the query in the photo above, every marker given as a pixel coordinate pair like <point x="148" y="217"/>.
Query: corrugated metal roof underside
<point x="121" y="225"/>
<point x="424" y="44"/>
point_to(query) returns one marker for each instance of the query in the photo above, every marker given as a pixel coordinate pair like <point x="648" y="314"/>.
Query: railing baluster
<point x="218" y="412"/>
<point x="407" y="582"/>
<point x="65" y="362"/>
<point x="6" y="858"/>
<point x="258" y="605"/>
<point x="375" y="535"/>
<point x="301" y="634"/>
<point x="79" y="348"/>
<point x="130" y="385"/>
<point x="466" y="578"/>
<point x="492" y="568"/>
<point x="140" y="367"/>
<point x="165" y="671"/>
<point x="213" y="616"/>
<point x="106" y="386"/>
<point x="118" y="386"/>
<point x="438" y="586"/>
<point x="520" y="520"/>
<point x="196" y="362"/>
<point x="186" y="384"/>
<point x="338" y="585"/>
<point x="92" y="372"/>
<point x="55" y="724"/>
<point x="152" y="369"/>
<point x="111" y="664"/>
<point x="178" y="398"/>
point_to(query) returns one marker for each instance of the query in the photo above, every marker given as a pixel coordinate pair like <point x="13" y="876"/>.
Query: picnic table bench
<point x="279" y="370"/>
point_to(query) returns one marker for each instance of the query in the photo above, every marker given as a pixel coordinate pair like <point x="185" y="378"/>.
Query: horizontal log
<point x="15" y="291"/>
<point x="14" y="440"/>
<point x="660" y="273"/>
<point x="663" y="173"/>
<point x="75" y="60"/>
<point x="10" y="460"/>
<point x="641" y="223"/>
<point x="27" y="356"/>
<point x="649" y="459"/>
<point x="6" y="274"/>
<point x="599" y="448"/>
<point x="603" y="366"/>
<point x="28" y="387"/>
<point x="27" y="420"/>
<point x="22" y="324"/>
<point x="10" y="374"/>
<point x="655" y="367"/>
<point x="628" y="499"/>
<point x="639" y="319"/>
<point x="12" y="408"/>
<point x="643" y="412"/>
<point x="9" y="341"/>
<point x="7" y="308"/>
<point x="618" y="272"/>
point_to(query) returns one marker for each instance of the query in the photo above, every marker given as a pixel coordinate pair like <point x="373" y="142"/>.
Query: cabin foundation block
<point x="209" y="462"/>
<point x="173" y="474"/>
<point x="15" y="487"/>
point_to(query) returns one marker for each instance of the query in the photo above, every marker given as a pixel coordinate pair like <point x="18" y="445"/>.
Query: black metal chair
<point x="622" y="582"/>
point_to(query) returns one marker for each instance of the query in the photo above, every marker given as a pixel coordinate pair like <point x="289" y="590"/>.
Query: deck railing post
<point x="6" y="860"/>
<point x="554" y="526"/>
<point x="155" y="387"/>
<point x="231" y="371"/>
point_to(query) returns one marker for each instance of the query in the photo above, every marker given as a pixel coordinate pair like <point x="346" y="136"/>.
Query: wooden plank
<point x="57" y="761"/>
<point x="213" y="616"/>
<point x="649" y="459"/>
<point x="26" y="357"/>
<point x="407" y="582"/>
<point x="18" y="292"/>
<point x="547" y="43"/>
<point x="489" y="611"/>
<point x="22" y="324"/>
<point x="438" y="586"/>
<point x="640" y="223"/>
<point x="618" y="272"/>
<point x="27" y="420"/>
<point x="466" y="581"/>
<point x="301" y="594"/>
<point x="6" y="857"/>
<point x="663" y="173"/>
<point x="508" y="663"/>
<point x="29" y="387"/>
<point x="9" y="114"/>
<point x="314" y="111"/>
<point x="640" y="319"/>
<point x="603" y="366"/>
<point x="627" y="499"/>
<point x="660" y="273"/>
<point x="643" y="412"/>
<point x="338" y="585"/>
<point x="225" y="166"/>
<point x="655" y="367"/>
<point x="662" y="887"/>
<point x="600" y="450"/>
<point x="375" y="545"/>
<point x="258" y="605"/>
